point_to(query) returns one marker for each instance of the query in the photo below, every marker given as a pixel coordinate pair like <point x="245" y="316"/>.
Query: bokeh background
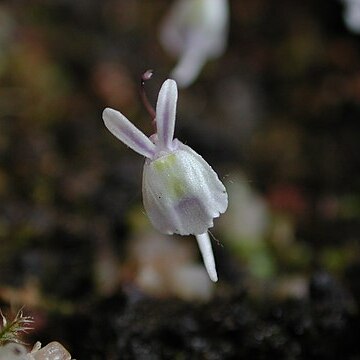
<point x="277" y="116"/>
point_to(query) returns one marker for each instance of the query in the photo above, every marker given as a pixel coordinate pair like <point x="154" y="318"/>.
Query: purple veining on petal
<point x="166" y="113"/>
<point x="128" y="133"/>
<point x="148" y="151"/>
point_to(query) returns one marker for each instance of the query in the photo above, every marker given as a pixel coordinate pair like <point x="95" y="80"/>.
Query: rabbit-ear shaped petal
<point x="128" y="133"/>
<point x="166" y="113"/>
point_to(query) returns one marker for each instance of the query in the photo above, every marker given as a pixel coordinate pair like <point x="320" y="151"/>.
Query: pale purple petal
<point x="207" y="255"/>
<point x="166" y="113"/>
<point x="182" y="193"/>
<point x="192" y="214"/>
<point x="210" y="189"/>
<point x="128" y="133"/>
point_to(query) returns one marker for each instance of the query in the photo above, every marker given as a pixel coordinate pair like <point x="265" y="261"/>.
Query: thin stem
<point x="218" y="242"/>
<point x="147" y="75"/>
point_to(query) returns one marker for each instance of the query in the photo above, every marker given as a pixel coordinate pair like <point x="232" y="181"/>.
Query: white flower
<point x="52" y="351"/>
<point x="182" y="194"/>
<point x="352" y="15"/>
<point x="195" y="31"/>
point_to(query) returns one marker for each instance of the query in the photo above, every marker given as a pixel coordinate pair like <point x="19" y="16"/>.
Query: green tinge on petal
<point x="181" y="192"/>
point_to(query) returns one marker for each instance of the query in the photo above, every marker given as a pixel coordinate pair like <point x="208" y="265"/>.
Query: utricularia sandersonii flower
<point x="195" y="31"/>
<point x="182" y="194"/>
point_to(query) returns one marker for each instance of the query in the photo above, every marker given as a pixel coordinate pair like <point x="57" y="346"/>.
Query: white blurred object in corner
<point x="352" y="15"/>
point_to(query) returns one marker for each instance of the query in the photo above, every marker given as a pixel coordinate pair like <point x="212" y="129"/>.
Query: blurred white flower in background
<point x="182" y="194"/>
<point x="166" y="266"/>
<point x="194" y="31"/>
<point x="246" y="226"/>
<point x="248" y="213"/>
<point x="352" y="15"/>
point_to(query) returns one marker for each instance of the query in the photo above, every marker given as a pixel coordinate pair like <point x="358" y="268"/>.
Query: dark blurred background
<point x="277" y="116"/>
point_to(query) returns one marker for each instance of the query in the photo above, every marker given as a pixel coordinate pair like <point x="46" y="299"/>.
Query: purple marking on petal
<point x="192" y="216"/>
<point x="166" y="113"/>
<point x="128" y="133"/>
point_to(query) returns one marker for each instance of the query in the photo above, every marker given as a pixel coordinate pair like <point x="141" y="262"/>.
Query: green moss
<point x="11" y="331"/>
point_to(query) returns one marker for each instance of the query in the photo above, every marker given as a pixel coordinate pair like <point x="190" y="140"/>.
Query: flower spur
<point x="182" y="194"/>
